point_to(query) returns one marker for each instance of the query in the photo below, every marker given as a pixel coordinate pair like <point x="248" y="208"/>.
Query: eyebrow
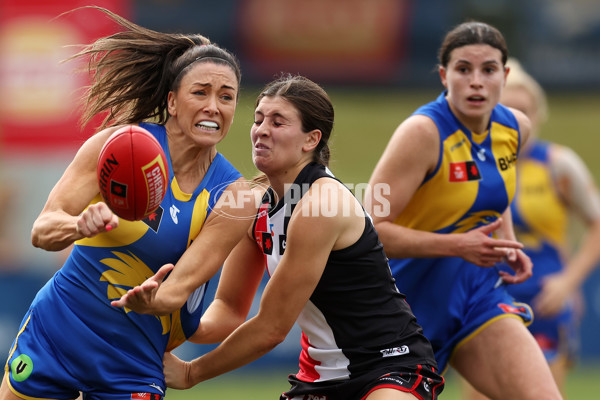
<point x="276" y="114"/>
<point x="463" y="61"/>
<point x="210" y="85"/>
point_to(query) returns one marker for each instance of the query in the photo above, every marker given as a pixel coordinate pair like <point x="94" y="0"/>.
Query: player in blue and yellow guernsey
<point x="440" y="198"/>
<point x="553" y="186"/>
<point x="72" y="339"/>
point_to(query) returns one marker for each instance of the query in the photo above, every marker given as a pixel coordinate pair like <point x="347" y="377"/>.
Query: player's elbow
<point x="275" y="336"/>
<point x="35" y="238"/>
<point x="38" y="240"/>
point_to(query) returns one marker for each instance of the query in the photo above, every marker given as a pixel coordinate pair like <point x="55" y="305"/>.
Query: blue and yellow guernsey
<point x="102" y="268"/>
<point x="472" y="185"/>
<point x="475" y="178"/>
<point x="540" y="219"/>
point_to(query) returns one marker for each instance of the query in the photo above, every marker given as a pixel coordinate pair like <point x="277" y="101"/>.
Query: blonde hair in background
<point x="519" y="78"/>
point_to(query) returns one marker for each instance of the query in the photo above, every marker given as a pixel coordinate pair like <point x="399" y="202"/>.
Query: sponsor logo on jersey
<point x="145" y="396"/>
<point x="21" y="367"/>
<point x="282" y="242"/>
<point x="464" y="171"/>
<point x="395" y="351"/>
<point x="154" y="385"/>
<point x="153" y="220"/>
<point x="267" y="243"/>
<point x="481" y="154"/>
<point x="506" y="162"/>
<point x="457" y="145"/>
<point x="511" y="309"/>
<point x="174" y="211"/>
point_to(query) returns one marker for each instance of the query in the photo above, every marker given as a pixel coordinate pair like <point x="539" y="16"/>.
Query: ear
<point x="311" y="140"/>
<point x="442" y="72"/>
<point x="171" y="109"/>
<point x="506" y="71"/>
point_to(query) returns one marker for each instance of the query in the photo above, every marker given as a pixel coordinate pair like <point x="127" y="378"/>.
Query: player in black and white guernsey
<point x="328" y="272"/>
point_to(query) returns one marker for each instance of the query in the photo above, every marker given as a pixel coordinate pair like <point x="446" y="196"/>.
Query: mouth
<point x="210" y="126"/>
<point x="261" y="146"/>
<point x="476" y="99"/>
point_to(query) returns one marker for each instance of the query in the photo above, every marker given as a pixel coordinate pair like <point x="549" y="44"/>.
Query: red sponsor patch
<point x="145" y="396"/>
<point x="464" y="171"/>
<point x="512" y="309"/>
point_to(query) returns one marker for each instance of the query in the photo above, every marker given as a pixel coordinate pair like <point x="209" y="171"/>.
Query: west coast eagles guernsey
<point x="99" y="345"/>
<point x="540" y="218"/>
<point x="472" y="185"/>
<point x="355" y="321"/>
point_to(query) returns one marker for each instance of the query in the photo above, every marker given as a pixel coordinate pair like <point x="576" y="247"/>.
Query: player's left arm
<point x="576" y="186"/>
<point x="312" y="233"/>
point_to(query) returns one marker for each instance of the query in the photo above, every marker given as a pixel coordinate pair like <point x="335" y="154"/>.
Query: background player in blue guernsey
<point x="72" y="339"/>
<point x="327" y="269"/>
<point x="451" y="172"/>
<point x="554" y="186"/>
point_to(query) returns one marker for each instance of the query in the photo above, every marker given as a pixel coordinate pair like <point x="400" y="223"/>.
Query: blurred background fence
<point x="376" y="57"/>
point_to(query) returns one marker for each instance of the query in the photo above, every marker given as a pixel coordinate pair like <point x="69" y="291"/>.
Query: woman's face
<point x="278" y="141"/>
<point x="204" y="104"/>
<point x="474" y="78"/>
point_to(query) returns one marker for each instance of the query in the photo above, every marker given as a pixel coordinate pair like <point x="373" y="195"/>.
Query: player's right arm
<point x="63" y="220"/>
<point x="412" y="154"/>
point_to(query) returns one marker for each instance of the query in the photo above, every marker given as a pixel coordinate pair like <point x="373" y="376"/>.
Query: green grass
<point x="366" y="119"/>
<point x="583" y="384"/>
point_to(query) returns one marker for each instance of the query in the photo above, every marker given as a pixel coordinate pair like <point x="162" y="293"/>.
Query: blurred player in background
<point x="72" y="339"/>
<point x="553" y="185"/>
<point x="327" y="269"/>
<point x="449" y="173"/>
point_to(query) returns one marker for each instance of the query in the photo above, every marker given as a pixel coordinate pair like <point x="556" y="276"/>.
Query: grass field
<point x="583" y="384"/>
<point x="364" y="122"/>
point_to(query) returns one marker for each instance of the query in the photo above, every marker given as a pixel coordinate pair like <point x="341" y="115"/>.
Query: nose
<point x="261" y="129"/>
<point x="212" y="105"/>
<point x="476" y="79"/>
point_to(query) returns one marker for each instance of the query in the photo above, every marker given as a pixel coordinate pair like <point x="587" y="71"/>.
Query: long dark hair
<point x="132" y="71"/>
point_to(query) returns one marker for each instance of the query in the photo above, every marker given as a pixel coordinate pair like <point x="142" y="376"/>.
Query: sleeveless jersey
<point x="540" y="219"/>
<point x="74" y="308"/>
<point x="355" y="321"/>
<point x="472" y="185"/>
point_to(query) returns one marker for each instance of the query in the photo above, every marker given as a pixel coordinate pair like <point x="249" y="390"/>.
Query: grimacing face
<point x="205" y="103"/>
<point x="278" y="141"/>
